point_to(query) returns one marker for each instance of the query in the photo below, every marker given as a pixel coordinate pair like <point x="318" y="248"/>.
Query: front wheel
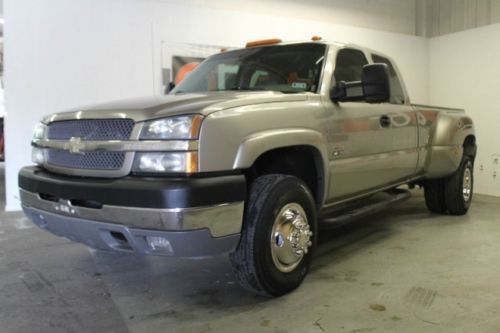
<point x="278" y="236"/>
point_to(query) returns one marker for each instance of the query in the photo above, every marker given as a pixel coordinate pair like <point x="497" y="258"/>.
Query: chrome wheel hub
<point x="467" y="184"/>
<point x="290" y="237"/>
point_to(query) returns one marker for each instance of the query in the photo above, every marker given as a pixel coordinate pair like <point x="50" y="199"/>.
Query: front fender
<point x="256" y="144"/>
<point x="253" y="146"/>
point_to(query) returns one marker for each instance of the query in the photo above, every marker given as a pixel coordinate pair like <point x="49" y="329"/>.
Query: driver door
<point x="359" y="140"/>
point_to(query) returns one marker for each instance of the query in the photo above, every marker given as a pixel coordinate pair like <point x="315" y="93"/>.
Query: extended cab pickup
<point x="249" y="155"/>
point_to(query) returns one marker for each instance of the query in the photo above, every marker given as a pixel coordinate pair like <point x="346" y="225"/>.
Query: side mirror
<point x="375" y="82"/>
<point x="170" y="86"/>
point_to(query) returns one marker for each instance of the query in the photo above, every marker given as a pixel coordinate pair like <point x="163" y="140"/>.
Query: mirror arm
<point x="354" y="84"/>
<point x="170" y="86"/>
<point x="339" y="91"/>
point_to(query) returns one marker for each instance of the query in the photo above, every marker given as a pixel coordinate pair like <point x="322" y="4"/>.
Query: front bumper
<point x="107" y="236"/>
<point x="197" y="216"/>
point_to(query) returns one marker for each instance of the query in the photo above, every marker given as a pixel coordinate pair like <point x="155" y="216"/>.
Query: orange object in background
<point x="263" y="42"/>
<point x="185" y="70"/>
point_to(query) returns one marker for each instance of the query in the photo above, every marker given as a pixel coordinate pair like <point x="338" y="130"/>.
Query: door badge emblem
<point x="337" y="152"/>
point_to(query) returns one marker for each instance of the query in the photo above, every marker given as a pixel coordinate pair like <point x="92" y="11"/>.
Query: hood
<point x="147" y="108"/>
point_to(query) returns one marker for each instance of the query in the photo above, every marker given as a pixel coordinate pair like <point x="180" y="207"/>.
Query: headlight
<point x="39" y="132"/>
<point x="181" y="127"/>
<point x="185" y="162"/>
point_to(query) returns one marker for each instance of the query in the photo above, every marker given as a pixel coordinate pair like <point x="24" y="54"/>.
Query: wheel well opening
<point x="470" y="147"/>
<point x="303" y="162"/>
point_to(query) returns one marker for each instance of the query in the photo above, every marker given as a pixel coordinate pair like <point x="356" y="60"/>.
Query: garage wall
<point x="234" y="28"/>
<point x="465" y="72"/>
<point x="447" y="16"/>
<point x="61" y="54"/>
<point x="388" y="15"/>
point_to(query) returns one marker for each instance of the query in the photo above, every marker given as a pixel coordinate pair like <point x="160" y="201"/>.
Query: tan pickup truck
<point x="251" y="155"/>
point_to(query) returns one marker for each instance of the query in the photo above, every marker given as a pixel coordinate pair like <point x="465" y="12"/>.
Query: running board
<point x="345" y="216"/>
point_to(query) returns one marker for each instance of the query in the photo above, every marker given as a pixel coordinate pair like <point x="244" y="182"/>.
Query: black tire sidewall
<point x="435" y="196"/>
<point x="455" y="201"/>
<point x="288" y="190"/>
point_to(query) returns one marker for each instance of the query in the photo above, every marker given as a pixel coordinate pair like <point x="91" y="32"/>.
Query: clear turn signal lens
<point x="185" y="162"/>
<point x="37" y="156"/>
<point x="39" y="131"/>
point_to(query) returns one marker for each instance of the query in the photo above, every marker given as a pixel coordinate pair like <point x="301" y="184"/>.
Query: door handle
<point x="385" y="121"/>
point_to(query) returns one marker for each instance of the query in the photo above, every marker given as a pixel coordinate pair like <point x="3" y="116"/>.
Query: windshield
<point x="285" y="68"/>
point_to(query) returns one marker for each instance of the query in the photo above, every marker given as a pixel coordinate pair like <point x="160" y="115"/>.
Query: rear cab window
<point x="397" y="93"/>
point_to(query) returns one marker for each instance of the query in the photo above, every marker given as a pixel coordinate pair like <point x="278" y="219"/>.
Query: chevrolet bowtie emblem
<point x="75" y="145"/>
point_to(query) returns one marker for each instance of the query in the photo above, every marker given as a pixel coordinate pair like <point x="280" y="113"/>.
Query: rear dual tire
<point x="452" y="194"/>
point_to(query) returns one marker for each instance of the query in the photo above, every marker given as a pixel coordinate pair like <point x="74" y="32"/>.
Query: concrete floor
<point x="403" y="270"/>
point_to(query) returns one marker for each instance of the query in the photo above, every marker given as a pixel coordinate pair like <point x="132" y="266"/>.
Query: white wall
<point x="61" y="54"/>
<point x="465" y="72"/>
<point x="388" y="15"/>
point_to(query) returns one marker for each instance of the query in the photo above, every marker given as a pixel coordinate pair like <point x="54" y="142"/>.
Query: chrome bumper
<point x="115" y="237"/>
<point x="220" y="220"/>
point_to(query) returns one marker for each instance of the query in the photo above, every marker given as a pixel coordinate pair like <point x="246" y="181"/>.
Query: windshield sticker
<point x="299" y="85"/>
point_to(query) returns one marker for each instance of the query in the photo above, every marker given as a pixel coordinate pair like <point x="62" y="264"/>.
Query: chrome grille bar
<point x="91" y="129"/>
<point x="117" y="145"/>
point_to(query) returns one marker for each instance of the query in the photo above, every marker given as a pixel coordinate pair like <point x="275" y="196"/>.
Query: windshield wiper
<point x="243" y="89"/>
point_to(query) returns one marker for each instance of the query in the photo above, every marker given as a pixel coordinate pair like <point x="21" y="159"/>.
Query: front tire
<point x="278" y="236"/>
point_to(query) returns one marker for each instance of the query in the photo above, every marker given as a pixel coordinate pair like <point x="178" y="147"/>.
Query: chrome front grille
<point x="88" y="130"/>
<point x="100" y="160"/>
<point x="91" y="129"/>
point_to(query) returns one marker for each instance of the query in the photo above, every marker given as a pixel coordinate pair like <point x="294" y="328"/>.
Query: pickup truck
<point x="248" y="156"/>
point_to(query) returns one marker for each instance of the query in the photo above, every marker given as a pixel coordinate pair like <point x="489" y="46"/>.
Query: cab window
<point x="349" y="65"/>
<point x="397" y="94"/>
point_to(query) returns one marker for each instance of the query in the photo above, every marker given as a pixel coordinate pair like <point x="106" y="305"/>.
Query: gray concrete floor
<point x="403" y="270"/>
